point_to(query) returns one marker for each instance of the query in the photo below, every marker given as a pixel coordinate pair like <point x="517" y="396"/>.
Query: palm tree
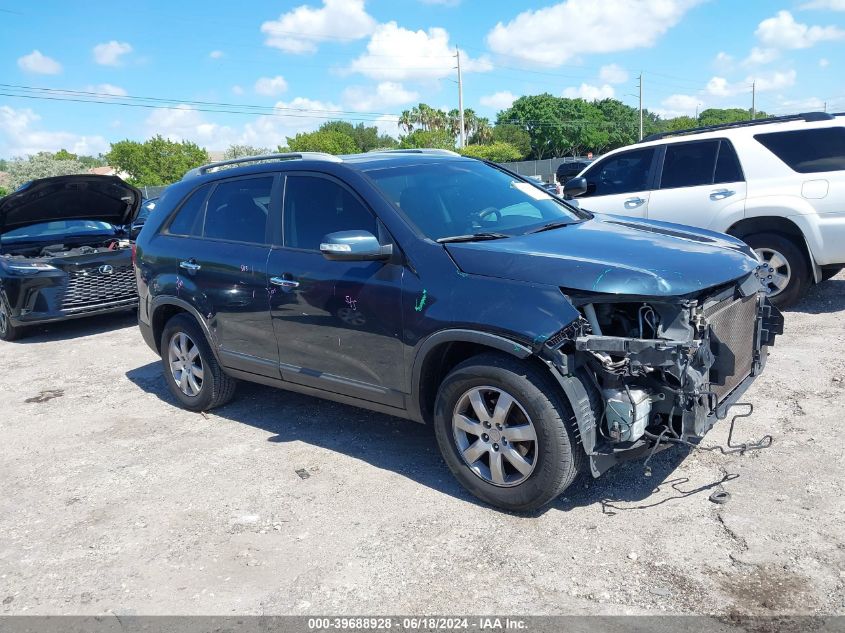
<point x="483" y="131"/>
<point x="406" y="121"/>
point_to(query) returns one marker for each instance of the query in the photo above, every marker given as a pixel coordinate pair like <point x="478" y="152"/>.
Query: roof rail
<point x="204" y="169"/>
<point x="421" y="150"/>
<point x="809" y="117"/>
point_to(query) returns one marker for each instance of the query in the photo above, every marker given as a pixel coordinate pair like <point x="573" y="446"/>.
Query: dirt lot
<point x="114" y="500"/>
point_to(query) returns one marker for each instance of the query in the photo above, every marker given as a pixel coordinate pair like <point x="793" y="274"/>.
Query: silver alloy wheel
<point x="776" y="274"/>
<point x="4" y="319"/>
<point x="495" y="436"/>
<point x="185" y="364"/>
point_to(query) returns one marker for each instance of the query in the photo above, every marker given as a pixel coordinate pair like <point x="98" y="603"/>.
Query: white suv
<point x="778" y="184"/>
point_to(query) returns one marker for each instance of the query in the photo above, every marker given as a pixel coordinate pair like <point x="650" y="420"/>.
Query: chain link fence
<point x="545" y="168"/>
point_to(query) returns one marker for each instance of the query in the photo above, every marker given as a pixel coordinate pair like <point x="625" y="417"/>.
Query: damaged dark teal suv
<point x="538" y="339"/>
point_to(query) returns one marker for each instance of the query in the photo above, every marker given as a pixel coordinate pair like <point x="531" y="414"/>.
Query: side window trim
<point x="331" y="178"/>
<point x="267" y="225"/>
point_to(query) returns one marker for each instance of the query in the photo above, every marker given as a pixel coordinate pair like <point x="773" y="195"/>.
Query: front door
<point x="621" y="183"/>
<point x="338" y="324"/>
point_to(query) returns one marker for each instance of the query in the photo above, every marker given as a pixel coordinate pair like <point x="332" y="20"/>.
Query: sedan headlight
<point x="27" y="268"/>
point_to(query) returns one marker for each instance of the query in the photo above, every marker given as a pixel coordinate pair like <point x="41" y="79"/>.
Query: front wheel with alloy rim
<point x="192" y="373"/>
<point x="8" y="332"/>
<point x="785" y="273"/>
<point x="506" y="432"/>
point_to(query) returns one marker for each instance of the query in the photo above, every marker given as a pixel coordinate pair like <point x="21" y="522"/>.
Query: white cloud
<point x="388" y="124"/>
<point x="809" y="104"/>
<point x="238" y="90"/>
<point x="824" y="62"/>
<point x="613" y="74"/>
<point x="782" y="31"/>
<point x="107" y="89"/>
<point x="555" y="34"/>
<point x="398" y="54"/>
<point x="271" y="86"/>
<point x="682" y="103"/>
<point x="829" y="5"/>
<point x="759" y="56"/>
<point x="590" y="92"/>
<point x="721" y="87"/>
<point x="776" y="80"/>
<point x="387" y="94"/>
<point x="37" y="62"/>
<point x="110" y="53"/>
<point x="216" y="54"/>
<point x="498" y="100"/>
<point x="19" y="136"/>
<point x="335" y="20"/>
<point x="723" y="61"/>
<point x="184" y="122"/>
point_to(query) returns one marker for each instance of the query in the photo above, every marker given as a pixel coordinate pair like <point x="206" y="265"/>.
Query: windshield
<point x="447" y="199"/>
<point x="63" y="228"/>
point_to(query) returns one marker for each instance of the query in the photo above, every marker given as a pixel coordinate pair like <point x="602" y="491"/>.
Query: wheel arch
<point x="782" y="226"/>
<point x="437" y="354"/>
<point x="165" y="308"/>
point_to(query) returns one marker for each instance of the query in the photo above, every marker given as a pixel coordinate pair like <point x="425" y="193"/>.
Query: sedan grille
<point x="97" y="286"/>
<point x="733" y="328"/>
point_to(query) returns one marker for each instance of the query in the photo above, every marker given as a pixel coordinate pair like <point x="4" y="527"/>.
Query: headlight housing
<point x="27" y="268"/>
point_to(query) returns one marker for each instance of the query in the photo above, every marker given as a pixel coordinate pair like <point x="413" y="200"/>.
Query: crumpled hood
<point x="78" y="197"/>
<point x="614" y="255"/>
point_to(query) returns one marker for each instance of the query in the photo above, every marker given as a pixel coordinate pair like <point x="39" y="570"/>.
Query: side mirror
<point x="354" y="246"/>
<point x="575" y="187"/>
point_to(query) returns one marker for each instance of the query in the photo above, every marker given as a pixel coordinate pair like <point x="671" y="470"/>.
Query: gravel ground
<point x="112" y="500"/>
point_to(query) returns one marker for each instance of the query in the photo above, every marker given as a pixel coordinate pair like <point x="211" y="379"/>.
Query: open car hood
<point x="79" y="197"/>
<point x="613" y="255"/>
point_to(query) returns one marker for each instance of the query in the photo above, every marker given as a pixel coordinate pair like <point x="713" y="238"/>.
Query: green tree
<point x="241" y="151"/>
<point x="680" y="123"/>
<point x="497" y="152"/>
<point x="92" y="161"/>
<point x="156" y="161"/>
<point x="719" y="116"/>
<point x="438" y="139"/>
<point x="42" y="165"/>
<point x="3" y="192"/>
<point x="328" y="141"/>
<point x="366" y="137"/>
<point x="623" y="124"/>
<point x="513" y="135"/>
<point x="63" y="154"/>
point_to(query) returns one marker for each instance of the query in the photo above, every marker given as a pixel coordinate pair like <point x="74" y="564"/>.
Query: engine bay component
<point x="626" y="413"/>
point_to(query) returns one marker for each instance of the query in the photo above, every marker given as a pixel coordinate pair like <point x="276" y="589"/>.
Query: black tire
<point x="829" y="273"/>
<point x="558" y="456"/>
<point x="8" y="332"/>
<point x="795" y="256"/>
<point x="217" y="388"/>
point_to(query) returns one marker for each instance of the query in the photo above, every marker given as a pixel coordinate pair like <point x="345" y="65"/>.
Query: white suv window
<point x="699" y="163"/>
<point x="627" y="172"/>
<point x="808" y="151"/>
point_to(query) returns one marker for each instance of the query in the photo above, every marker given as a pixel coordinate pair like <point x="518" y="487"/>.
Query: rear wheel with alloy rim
<point x="507" y="432"/>
<point x="785" y="273"/>
<point x="8" y="332"/>
<point x="192" y="373"/>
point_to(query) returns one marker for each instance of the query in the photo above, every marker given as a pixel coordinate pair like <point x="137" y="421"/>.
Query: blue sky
<point x="255" y="72"/>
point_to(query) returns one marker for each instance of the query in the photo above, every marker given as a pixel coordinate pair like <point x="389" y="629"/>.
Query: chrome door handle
<point x="189" y="265"/>
<point x="284" y="283"/>
<point x="721" y="194"/>
<point x="633" y="203"/>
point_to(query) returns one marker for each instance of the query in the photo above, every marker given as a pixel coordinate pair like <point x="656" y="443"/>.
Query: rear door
<point x="700" y="182"/>
<point x="621" y="183"/>
<point x="222" y="271"/>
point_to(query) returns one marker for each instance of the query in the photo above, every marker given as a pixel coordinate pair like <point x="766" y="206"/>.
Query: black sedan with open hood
<point x="64" y="251"/>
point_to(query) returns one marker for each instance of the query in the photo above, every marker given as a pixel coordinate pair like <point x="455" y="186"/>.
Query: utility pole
<point x="753" y="100"/>
<point x="460" y="98"/>
<point x="641" y="106"/>
<point x="825" y="106"/>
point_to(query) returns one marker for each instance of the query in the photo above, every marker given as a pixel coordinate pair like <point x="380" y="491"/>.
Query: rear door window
<point x="627" y="172"/>
<point x="238" y="210"/>
<point x="808" y="151"/>
<point x="728" y="168"/>
<point x="689" y="164"/>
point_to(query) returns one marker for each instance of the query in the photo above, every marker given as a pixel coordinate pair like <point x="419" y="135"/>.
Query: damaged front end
<point x="639" y="370"/>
